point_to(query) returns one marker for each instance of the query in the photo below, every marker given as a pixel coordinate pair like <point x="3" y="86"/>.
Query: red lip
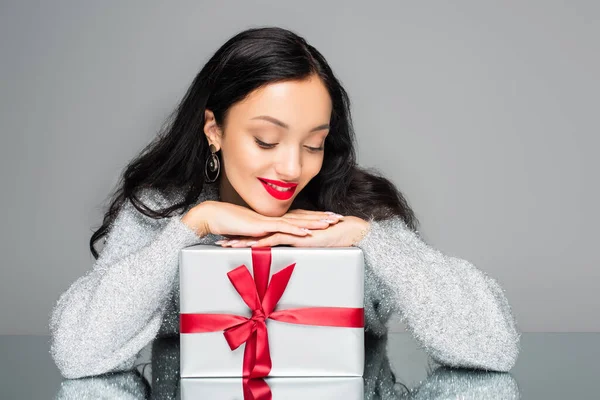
<point x="276" y="193"/>
<point x="279" y="183"/>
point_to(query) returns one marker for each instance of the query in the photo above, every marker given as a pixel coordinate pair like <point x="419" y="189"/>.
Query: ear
<point x="211" y="129"/>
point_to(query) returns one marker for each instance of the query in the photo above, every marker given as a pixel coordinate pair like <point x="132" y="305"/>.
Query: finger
<point x="287" y="227"/>
<point x="234" y="237"/>
<point x="312" y="217"/>
<point x="225" y="243"/>
<point x="244" y="243"/>
<point x="312" y="223"/>
<point x="299" y="213"/>
<point x="236" y="243"/>
<point x="274" y="240"/>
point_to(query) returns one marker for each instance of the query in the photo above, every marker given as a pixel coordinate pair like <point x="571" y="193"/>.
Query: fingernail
<point x="328" y="220"/>
<point x="307" y="230"/>
<point x="220" y="241"/>
<point x="334" y="214"/>
<point x="250" y="243"/>
<point x="233" y="241"/>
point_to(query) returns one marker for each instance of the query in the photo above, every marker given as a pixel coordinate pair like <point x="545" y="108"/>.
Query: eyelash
<point x="270" y="146"/>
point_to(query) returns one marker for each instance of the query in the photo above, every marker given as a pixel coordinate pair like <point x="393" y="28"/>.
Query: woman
<point x="261" y="150"/>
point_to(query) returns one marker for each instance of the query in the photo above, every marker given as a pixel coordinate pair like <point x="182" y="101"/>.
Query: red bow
<point x="262" y="301"/>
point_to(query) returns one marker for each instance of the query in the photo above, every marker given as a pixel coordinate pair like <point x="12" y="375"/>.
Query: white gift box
<point x="342" y="388"/>
<point x="322" y="277"/>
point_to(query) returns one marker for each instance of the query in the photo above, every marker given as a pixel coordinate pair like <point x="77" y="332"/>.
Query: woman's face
<point x="277" y="134"/>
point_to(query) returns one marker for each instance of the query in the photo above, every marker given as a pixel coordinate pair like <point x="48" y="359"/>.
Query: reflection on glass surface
<point x="159" y="379"/>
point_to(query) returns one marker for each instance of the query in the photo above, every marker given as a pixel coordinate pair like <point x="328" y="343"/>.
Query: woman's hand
<point x="222" y="218"/>
<point x="345" y="233"/>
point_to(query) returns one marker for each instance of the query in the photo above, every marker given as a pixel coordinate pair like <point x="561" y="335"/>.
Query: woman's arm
<point x="107" y="316"/>
<point x="458" y="314"/>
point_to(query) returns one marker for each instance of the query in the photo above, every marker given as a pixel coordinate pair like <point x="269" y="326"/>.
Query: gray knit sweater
<point x="457" y="314"/>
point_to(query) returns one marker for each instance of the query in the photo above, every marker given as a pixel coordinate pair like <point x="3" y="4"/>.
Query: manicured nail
<point x="334" y="215"/>
<point x="233" y="241"/>
<point x="250" y="243"/>
<point x="307" y="230"/>
<point x="220" y="241"/>
<point x="328" y="220"/>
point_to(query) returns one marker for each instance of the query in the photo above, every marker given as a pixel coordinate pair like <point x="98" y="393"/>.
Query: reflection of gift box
<point x="309" y="321"/>
<point x="340" y="388"/>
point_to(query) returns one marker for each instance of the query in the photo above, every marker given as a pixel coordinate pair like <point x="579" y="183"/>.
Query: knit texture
<point x="458" y="314"/>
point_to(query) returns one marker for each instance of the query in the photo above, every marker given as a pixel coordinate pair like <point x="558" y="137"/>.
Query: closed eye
<point x="272" y="145"/>
<point x="263" y="144"/>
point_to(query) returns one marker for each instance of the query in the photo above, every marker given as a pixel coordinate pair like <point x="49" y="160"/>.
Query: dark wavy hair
<point x="175" y="159"/>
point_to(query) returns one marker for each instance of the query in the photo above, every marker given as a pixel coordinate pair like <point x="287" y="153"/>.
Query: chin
<point x="269" y="210"/>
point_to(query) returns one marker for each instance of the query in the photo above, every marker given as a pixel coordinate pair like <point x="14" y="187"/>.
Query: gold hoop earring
<point x="213" y="165"/>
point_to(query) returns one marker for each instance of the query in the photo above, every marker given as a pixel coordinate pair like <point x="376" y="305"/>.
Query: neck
<point x="228" y="194"/>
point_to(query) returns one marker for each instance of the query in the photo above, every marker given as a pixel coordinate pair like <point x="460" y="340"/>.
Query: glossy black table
<point x="550" y="366"/>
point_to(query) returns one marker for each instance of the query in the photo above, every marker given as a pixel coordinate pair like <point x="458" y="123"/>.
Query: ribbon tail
<point x="256" y="389"/>
<point x="262" y="365"/>
<point x="257" y="359"/>
<point x="198" y="323"/>
<point x="279" y="282"/>
<point x="249" y="356"/>
<point x="322" y="316"/>
<point x="261" y="266"/>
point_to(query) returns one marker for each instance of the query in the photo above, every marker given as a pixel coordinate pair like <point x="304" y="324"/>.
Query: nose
<point x="289" y="165"/>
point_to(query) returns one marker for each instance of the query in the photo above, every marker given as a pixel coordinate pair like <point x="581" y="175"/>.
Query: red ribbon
<point x="262" y="298"/>
<point x="256" y="389"/>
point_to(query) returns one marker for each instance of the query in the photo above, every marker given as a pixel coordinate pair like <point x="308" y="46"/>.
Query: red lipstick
<point x="279" y="195"/>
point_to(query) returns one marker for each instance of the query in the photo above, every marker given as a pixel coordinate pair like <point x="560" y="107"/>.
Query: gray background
<point x="485" y="114"/>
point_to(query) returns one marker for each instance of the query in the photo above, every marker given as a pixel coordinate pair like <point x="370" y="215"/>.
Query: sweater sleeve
<point x="120" y="386"/>
<point x="102" y="321"/>
<point x="459" y="315"/>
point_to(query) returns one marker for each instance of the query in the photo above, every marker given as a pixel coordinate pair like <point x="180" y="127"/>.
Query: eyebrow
<point x="286" y="126"/>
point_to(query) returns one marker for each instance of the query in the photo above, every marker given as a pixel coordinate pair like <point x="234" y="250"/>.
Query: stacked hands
<point x="299" y="228"/>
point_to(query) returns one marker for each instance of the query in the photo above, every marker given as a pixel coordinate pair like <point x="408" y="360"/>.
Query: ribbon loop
<point x="238" y="334"/>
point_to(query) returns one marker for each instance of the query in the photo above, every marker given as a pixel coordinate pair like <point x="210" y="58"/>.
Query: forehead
<point x="291" y="101"/>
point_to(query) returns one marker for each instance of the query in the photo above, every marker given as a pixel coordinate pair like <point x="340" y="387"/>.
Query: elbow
<point x="82" y="351"/>
<point x="507" y="352"/>
<point x="505" y="338"/>
<point x="67" y="344"/>
<point x="69" y="357"/>
<point x="496" y="350"/>
<point x="498" y="356"/>
<point x="491" y="342"/>
<point x="76" y="359"/>
<point x="497" y="347"/>
<point x="71" y="350"/>
<point x="502" y="355"/>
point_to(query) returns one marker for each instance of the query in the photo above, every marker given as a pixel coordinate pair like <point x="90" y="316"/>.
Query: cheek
<point x="313" y="166"/>
<point x="243" y="157"/>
